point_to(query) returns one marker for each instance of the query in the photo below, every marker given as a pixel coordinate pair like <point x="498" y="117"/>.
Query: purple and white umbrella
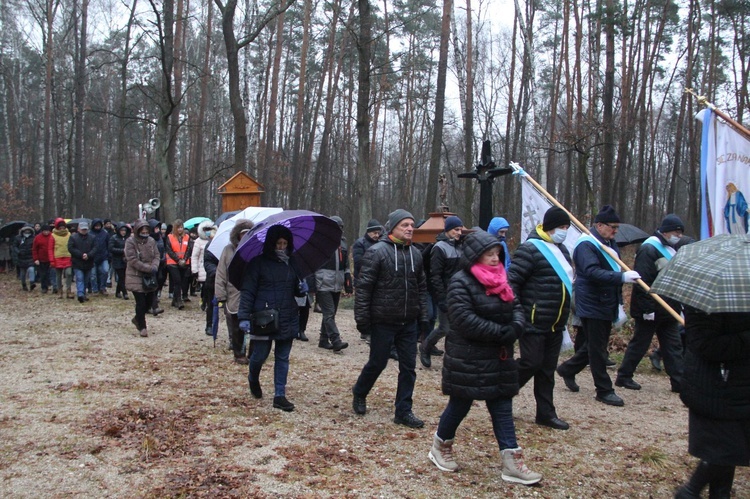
<point x="316" y="237"/>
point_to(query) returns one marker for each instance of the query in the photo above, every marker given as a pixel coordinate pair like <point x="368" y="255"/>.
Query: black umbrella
<point x="225" y="216"/>
<point x="316" y="237"/>
<point x="630" y="234"/>
<point x="11" y="228"/>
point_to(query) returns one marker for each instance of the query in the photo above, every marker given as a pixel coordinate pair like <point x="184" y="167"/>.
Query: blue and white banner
<point x="534" y="205"/>
<point x="725" y="178"/>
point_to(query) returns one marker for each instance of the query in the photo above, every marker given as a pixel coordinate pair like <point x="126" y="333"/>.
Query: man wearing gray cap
<point x="391" y="306"/>
<point x="82" y="248"/>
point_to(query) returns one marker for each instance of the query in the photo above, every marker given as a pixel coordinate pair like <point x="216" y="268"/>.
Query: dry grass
<point x="89" y="409"/>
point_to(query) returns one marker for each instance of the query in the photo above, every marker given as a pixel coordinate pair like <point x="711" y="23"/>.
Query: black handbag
<point x="149" y="282"/>
<point x="265" y="322"/>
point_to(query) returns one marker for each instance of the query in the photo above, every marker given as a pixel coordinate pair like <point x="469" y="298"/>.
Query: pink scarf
<point x="494" y="279"/>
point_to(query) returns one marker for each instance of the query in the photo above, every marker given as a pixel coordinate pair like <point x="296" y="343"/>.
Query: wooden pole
<point x="735" y="124"/>
<point x="517" y="169"/>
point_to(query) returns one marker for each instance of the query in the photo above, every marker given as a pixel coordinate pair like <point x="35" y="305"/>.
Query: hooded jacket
<point x="117" y="247"/>
<point x="269" y="282"/>
<point x="23" y="247"/>
<point x="392" y="287"/>
<point x="141" y="256"/>
<point x="59" y="255"/>
<point x="478" y="362"/>
<point x="102" y="237"/>
<point x="197" y="256"/>
<point x="41" y="247"/>
<point x="223" y="289"/>
<point x="445" y="259"/>
<point x="544" y="297"/>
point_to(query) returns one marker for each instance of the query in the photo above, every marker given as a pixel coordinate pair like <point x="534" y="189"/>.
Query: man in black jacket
<point x="650" y="317"/>
<point x="542" y="276"/>
<point x="391" y="306"/>
<point x="82" y="248"/>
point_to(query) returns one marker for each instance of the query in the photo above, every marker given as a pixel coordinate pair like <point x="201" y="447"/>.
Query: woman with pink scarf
<point x="485" y="321"/>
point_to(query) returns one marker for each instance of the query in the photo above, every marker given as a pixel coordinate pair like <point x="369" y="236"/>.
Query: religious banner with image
<point x="534" y="206"/>
<point x="725" y="177"/>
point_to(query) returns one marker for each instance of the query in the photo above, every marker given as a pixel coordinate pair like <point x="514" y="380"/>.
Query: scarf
<point x="397" y="241"/>
<point x="494" y="279"/>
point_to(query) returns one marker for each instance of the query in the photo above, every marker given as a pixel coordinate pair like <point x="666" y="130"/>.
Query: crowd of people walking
<point x="466" y="288"/>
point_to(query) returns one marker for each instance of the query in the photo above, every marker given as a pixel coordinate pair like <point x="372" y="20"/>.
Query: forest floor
<point x="90" y="409"/>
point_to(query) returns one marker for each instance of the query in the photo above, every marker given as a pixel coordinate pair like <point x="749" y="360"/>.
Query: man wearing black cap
<point x="650" y="317"/>
<point x="542" y="277"/>
<point x="445" y="257"/>
<point x="391" y="306"/>
<point x="598" y="292"/>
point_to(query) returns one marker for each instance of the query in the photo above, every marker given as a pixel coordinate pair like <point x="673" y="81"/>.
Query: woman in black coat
<point x="716" y="389"/>
<point x="485" y="321"/>
<point x="117" y="250"/>
<point x="271" y="281"/>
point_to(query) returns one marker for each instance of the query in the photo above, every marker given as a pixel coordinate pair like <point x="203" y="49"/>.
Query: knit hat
<point x="83" y="225"/>
<point x="373" y="225"/>
<point x="553" y="218"/>
<point x="338" y="220"/>
<point x="395" y="217"/>
<point x="452" y="222"/>
<point x="671" y="222"/>
<point x="607" y="215"/>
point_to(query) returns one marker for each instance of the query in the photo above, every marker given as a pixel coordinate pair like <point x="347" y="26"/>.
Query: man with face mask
<point x="542" y="277"/>
<point x="650" y="317"/>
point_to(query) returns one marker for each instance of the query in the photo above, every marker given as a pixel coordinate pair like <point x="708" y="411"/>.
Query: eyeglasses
<point x="613" y="227"/>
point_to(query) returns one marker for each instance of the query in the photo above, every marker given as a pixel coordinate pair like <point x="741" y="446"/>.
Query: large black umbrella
<point x="630" y="234"/>
<point x="11" y="228"/>
<point x="316" y="237"/>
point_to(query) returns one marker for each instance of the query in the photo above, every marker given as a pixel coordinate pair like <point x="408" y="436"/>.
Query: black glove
<point x="443" y="306"/>
<point x="424" y="328"/>
<point x="518" y="328"/>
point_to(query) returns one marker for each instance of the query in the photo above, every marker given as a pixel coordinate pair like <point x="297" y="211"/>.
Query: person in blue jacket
<point x="499" y="228"/>
<point x="598" y="296"/>
<point x="271" y="281"/>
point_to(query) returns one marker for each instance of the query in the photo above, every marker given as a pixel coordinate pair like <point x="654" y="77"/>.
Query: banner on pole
<point x="534" y="206"/>
<point x="725" y="178"/>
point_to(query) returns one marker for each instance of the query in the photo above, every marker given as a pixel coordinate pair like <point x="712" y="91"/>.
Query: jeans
<point x="539" y="355"/>
<point x="404" y="337"/>
<point x="670" y="347"/>
<point x="99" y="276"/>
<point x="261" y="350"/>
<point x="329" y="305"/>
<point x="26" y="273"/>
<point x="82" y="278"/>
<point x="501" y="413"/>
<point x="593" y="352"/>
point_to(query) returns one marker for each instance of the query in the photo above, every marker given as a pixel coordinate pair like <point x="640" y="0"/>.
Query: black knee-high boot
<point x="699" y="479"/>
<point x="720" y="485"/>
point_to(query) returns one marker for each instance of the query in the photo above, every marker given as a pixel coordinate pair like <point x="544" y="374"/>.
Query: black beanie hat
<point x="607" y="215"/>
<point x="553" y="218"/>
<point x="373" y="225"/>
<point x="395" y="217"/>
<point x="671" y="222"/>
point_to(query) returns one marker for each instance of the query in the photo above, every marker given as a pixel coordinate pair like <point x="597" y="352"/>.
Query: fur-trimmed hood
<point x="236" y="234"/>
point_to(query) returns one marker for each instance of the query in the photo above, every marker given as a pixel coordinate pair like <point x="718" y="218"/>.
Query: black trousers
<point x="142" y="304"/>
<point x="670" y="347"/>
<point x="594" y="353"/>
<point x="121" y="282"/>
<point x="236" y="336"/>
<point x="179" y="279"/>
<point x="539" y="355"/>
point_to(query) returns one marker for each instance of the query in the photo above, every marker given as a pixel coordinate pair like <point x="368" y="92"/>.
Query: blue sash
<point x="556" y="265"/>
<point x="654" y="241"/>
<point x="598" y="245"/>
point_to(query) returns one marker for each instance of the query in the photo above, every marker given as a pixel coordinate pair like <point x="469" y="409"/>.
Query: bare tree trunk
<point x="269" y="156"/>
<point x="80" y="98"/>
<point x="49" y="182"/>
<point x="608" y="152"/>
<point x="298" y="170"/>
<point x="122" y="163"/>
<point x="365" y="176"/>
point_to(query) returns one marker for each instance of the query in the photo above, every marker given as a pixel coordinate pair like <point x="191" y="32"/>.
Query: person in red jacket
<point x="40" y="251"/>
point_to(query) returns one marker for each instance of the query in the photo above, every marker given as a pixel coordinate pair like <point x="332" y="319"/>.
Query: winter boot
<point x="424" y="355"/>
<point x="337" y="345"/>
<point x="720" y="486"/>
<point x="441" y="454"/>
<point x="514" y="469"/>
<point x="324" y="342"/>
<point x="302" y="337"/>
<point x="698" y="480"/>
<point x="71" y="295"/>
<point x="125" y="295"/>
<point x="24" y="287"/>
<point x="60" y="292"/>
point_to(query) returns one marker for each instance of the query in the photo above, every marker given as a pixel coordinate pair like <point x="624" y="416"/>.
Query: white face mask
<point x="673" y="240"/>
<point x="559" y="235"/>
